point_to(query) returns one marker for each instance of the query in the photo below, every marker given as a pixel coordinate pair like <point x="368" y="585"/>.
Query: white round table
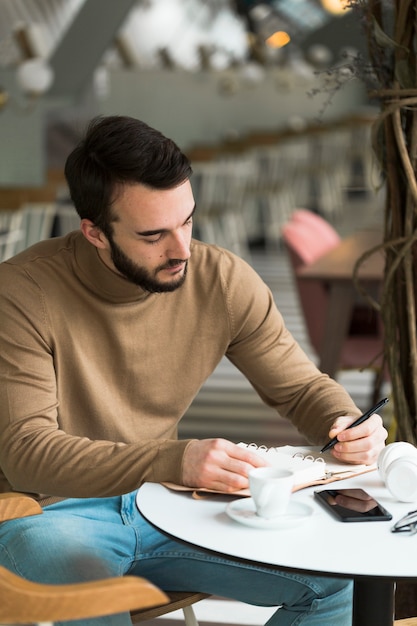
<point x="367" y="552"/>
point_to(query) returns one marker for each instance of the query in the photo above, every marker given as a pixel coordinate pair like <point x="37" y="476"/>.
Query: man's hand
<point x="218" y="464"/>
<point x="361" y="444"/>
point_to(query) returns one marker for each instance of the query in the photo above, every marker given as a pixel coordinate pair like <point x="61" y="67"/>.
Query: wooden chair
<point x="176" y="600"/>
<point x="409" y="621"/>
<point x="23" y="601"/>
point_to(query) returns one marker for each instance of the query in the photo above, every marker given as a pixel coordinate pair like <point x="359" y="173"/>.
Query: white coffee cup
<point x="270" y="489"/>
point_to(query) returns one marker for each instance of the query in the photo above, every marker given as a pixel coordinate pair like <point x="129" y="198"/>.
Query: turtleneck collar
<point x="98" y="277"/>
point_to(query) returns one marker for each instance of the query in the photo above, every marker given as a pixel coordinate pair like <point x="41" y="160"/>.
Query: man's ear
<point x="94" y="234"/>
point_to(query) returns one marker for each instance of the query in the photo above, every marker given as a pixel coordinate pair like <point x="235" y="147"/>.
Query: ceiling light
<point x="279" y="39"/>
<point x="34" y="76"/>
<point x="181" y="28"/>
<point x="336" y="7"/>
<point x="269" y="26"/>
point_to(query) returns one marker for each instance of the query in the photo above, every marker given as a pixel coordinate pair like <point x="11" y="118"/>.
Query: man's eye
<point x="155" y="239"/>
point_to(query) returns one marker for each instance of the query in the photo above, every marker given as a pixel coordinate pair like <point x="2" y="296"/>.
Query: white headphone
<point x="397" y="465"/>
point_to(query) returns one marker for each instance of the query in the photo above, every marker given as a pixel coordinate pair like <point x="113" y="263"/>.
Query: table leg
<point x="339" y="312"/>
<point x="373" y="602"/>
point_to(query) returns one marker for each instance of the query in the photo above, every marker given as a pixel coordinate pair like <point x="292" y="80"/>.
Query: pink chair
<point x="328" y="236"/>
<point x="307" y="236"/>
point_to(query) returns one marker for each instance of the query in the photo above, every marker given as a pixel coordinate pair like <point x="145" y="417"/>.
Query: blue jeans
<point x="84" y="539"/>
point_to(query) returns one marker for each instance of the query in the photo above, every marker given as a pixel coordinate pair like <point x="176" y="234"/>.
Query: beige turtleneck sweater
<point x="95" y="373"/>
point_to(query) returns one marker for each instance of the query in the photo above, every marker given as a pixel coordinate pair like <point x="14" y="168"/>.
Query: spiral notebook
<point x="310" y="467"/>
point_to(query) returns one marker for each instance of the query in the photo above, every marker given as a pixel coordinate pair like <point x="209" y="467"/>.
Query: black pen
<point x="360" y="419"/>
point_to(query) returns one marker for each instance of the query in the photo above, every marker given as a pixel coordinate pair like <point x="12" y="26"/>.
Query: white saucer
<point x="244" y="512"/>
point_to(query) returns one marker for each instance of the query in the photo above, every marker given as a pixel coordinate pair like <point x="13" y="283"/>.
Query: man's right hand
<point x="218" y="464"/>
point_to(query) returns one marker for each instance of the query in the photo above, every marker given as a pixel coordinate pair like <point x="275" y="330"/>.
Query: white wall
<point x="193" y="109"/>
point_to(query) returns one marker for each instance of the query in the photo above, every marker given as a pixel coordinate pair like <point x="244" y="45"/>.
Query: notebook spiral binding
<point x="297" y="455"/>
<point x="308" y="457"/>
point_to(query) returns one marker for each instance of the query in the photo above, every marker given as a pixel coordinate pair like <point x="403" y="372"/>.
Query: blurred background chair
<point x="37" y="223"/>
<point x="67" y="219"/>
<point x="270" y="190"/>
<point x="320" y="230"/>
<point x="23" y="227"/>
<point x="23" y="601"/>
<point x="11" y="233"/>
<point x="219" y="188"/>
<point x="307" y="236"/>
<point x="9" y="239"/>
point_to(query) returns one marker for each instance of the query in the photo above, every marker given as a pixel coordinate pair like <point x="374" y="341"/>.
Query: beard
<point x="140" y="276"/>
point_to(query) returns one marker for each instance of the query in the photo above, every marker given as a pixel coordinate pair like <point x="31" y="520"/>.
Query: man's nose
<point x="179" y="245"/>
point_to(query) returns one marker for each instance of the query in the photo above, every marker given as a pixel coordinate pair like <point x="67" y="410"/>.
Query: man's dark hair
<point x="120" y="150"/>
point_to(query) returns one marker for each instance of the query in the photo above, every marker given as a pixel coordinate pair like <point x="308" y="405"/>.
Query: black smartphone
<point x="352" y="505"/>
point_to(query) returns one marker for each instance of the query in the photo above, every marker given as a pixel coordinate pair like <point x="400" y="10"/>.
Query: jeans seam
<point x="203" y="557"/>
<point x="16" y="569"/>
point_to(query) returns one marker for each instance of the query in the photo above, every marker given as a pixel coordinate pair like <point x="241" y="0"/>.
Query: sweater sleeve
<point x="37" y="456"/>
<point x="268" y="355"/>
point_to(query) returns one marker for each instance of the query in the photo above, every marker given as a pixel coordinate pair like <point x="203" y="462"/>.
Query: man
<point x="106" y="336"/>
